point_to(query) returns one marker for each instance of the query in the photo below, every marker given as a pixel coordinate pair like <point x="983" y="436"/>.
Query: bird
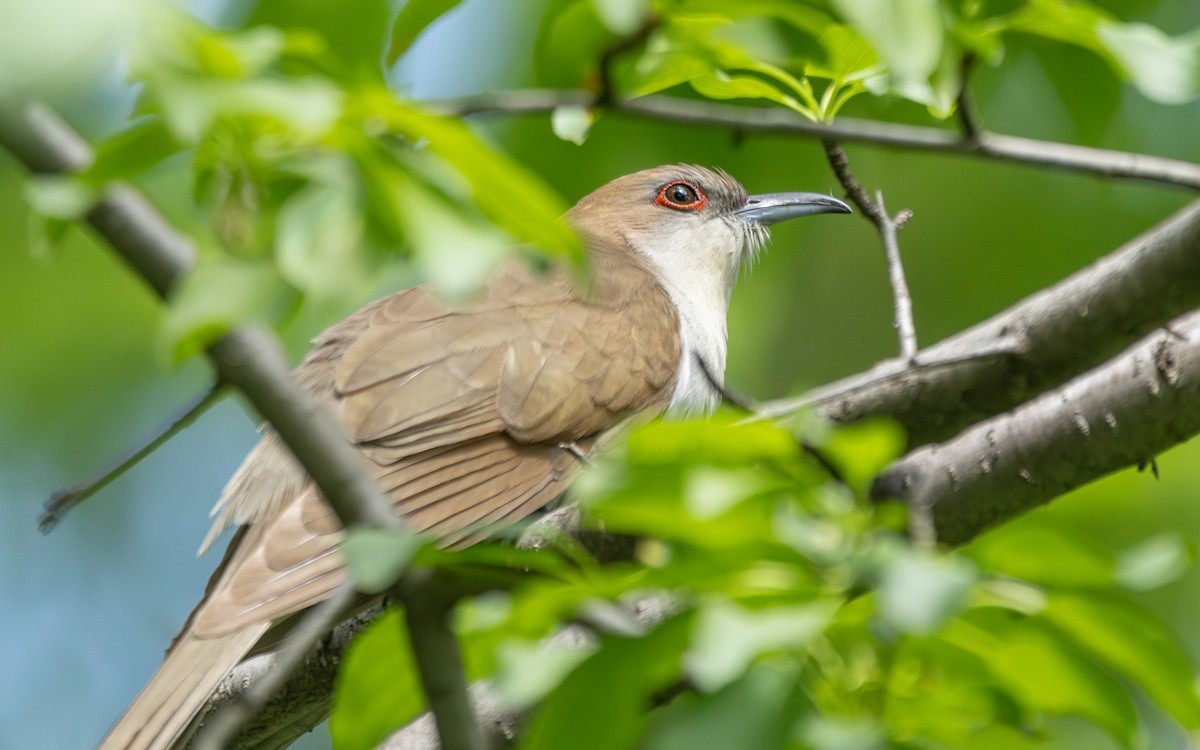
<point x="473" y="415"/>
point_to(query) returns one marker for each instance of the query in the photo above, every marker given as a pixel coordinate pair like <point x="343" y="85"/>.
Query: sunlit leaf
<point x="1048" y="674"/>
<point x="622" y="16"/>
<point x="354" y="31"/>
<point x="749" y="714"/>
<point x="627" y="671"/>
<point x="908" y="35"/>
<point x="1157" y="561"/>
<point x="1164" y="69"/>
<point x="318" y="243"/>
<point x="60" y="197"/>
<point x="378" y="689"/>
<point x="842" y="733"/>
<point x="1043" y="554"/>
<point x="526" y="671"/>
<point x="728" y="637"/>
<point x="920" y="591"/>
<point x="572" y="123"/>
<point x="1133" y="642"/>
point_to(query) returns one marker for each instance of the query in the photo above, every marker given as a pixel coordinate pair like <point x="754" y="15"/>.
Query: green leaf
<point x="727" y="638"/>
<point x="749" y="714"/>
<point x="458" y="251"/>
<point x="137" y="149"/>
<point x="1047" y="673"/>
<point x="722" y="85"/>
<point x="570" y="42"/>
<point x="511" y="197"/>
<point x="712" y="441"/>
<point x="1157" y="561"/>
<point x="622" y="17"/>
<point x="1042" y="554"/>
<point x="307" y="107"/>
<point x="863" y="449"/>
<point x="1166" y="70"/>
<point x="377" y="557"/>
<point x="526" y="671"/>
<point x="1135" y="643"/>
<point x="414" y="18"/>
<point x="908" y="34"/>
<point x="842" y="733"/>
<point x="318" y="243"/>
<point x="219" y="295"/>
<point x="920" y="591"/>
<point x="378" y="688"/>
<point x="354" y="31"/>
<point x="626" y="672"/>
<point x="63" y="197"/>
<point x="572" y="123"/>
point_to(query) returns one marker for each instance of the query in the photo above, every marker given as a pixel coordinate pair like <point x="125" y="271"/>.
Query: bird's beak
<point x="772" y="208"/>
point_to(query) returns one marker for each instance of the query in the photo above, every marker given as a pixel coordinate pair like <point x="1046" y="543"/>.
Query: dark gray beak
<point x="772" y="208"/>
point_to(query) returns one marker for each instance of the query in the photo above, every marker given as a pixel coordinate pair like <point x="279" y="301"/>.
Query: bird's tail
<point x="193" y="668"/>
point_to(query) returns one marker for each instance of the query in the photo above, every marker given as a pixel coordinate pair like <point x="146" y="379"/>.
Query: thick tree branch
<point x="1065" y="156"/>
<point x="1054" y="335"/>
<point x="1117" y="415"/>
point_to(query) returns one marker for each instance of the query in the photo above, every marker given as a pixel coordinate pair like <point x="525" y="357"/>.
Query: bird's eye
<point x="681" y="195"/>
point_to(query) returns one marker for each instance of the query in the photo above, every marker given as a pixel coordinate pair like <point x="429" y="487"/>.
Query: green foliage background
<point x="91" y="360"/>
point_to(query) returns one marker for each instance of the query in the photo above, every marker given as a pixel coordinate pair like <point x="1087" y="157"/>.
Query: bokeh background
<point x="87" y="609"/>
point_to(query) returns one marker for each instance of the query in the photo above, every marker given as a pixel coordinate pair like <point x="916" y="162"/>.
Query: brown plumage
<point x="463" y="414"/>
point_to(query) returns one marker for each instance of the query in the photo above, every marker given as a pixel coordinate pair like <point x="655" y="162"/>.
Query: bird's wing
<point x="461" y="416"/>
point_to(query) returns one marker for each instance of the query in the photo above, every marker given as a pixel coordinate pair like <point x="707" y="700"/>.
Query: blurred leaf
<point x="748" y="714"/>
<point x="626" y="671"/>
<point x="377" y="557"/>
<point x="622" y="17"/>
<point x="60" y="197"/>
<point x="908" y="34"/>
<point x="1166" y="70"/>
<point x="527" y="671"/>
<point x="355" y="31"/>
<point x="137" y="149"/>
<point x="1042" y="554"/>
<point x="863" y="449"/>
<point x="919" y="591"/>
<point x="378" y="689"/>
<point x="1133" y="642"/>
<point x="318" y="238"/>
<point x="727" y="638"/>
<point x="458" y="251"/>
<point x="572" y="123"/>
<point x="219" y="295"/>
<point x="842" y="733"/>
<point x="1046" y="673"/>
<point x="570" y="42"/>
<point x="306" y="107"/>
<point x="516" y="200"/>
<point x="709" y="492"/>
<point x="1068" y="21"/>
<point x="722" y="85"/>
<point x="713" y="441"/>
<point x="1157" y="561"/>
<point x="414" y="18"/>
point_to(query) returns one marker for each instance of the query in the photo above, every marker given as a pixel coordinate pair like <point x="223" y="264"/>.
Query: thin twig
<point x="877" y="213"/>
<point x="730" y="397"/>
<point x="608" y="92"/>
<point x="315" y="624"/>
<point x="63" y="501"/>
<point x="744" y="120"/>
<point x="968" y="114"/>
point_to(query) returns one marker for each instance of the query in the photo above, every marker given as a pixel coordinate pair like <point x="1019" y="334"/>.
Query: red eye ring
<point x="681" y="195"/>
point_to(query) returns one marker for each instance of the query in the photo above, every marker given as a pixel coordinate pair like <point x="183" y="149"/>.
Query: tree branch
<point x="1117" y="415"/>
<point x="1053" y="335"/>
<point x="249" y="359"/>
<point x="1064" y="156"/>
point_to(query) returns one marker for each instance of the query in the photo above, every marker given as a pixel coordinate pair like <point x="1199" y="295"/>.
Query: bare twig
<point x="745" y="120"/>
<point x="968" y="114"/>
<point x="61" y="502"/>
<point x="877" y="213"/>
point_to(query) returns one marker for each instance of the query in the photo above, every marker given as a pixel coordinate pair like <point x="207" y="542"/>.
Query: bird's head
<point x="689" y="221"/>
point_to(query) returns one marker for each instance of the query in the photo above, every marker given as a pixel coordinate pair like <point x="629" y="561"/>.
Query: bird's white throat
<point x="698" y="269"/>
